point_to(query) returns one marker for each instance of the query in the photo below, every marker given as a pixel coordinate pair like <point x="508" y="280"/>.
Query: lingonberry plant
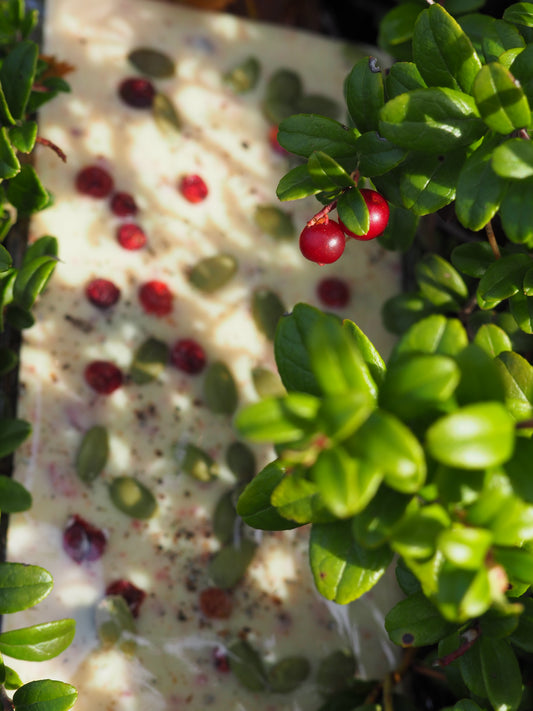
<point x="423" y="463"/>
<point x="27" y="81"/>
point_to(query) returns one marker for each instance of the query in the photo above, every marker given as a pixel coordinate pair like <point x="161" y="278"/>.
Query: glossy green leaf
<point x="254" y="505"/>
<point x="439" y="282"/>
<point x="523" y="636"/>
<point x="517" y="374"/>
<point x="502" y="104"/>
<point x="499" y="37"/>
<point x="428" y="183"/>
<point x="364" y="94"/>
<point x="149" y="361"/>
<point x="280" y="420"/>
<point x="26" y="192"/>
<point x="376" y="154"/>
<point x="45" y="695"/>
<point x="22" y="586"/>
<point x="38" y="642"/>
<point x="17" y="75"/>
<point x="499" y="623"/>
<point x="296" y="184"/>
<point x="518" y="563"/>
<point x="353" y="211"/>
<point x="470" y="667"/>
<point x="396" y="28"/>
<point x="516" y="211"/>
<point x="23" y="137"/>
<point x="465" y="546"/>
<point x="416" y="622"/>
<point x="340" y="415"/>
<point x="12" y="679"/>
<point x="463" y="593"/>
<point x="274" y="221"/>
<point x="473" y="437"/>
<point x="512" y="523"/>
<point x="43" y="246"/>
<point x="318" y="104"/>
<point x="31" y="280"/>
<point x="19" y="318"/>
<point x="403" y="77"/>
<point x="345" y="484"/>
<point x="521" y="307"/>
<point x="326" y="173"/>
<point x="229" y="565"/>
<point x="492" y="339"/>
<point x="9" y="163"/>
<point x="219" y="389"/>
<point x="520" y="13"/>
<point x="401" y="229"/>
<point x="473" y="258"/>
<point x="305" y="133"/>
<point x="13" y="432"/>
<point x="501" y="672"/>
<point x="514" y="159"/>
<point x="292" y="356"/>
<point x="247" y="665"/>
<point x="443" y="53"/>
<point x="372" y="527"/>
<point x="502" y="279"/>
<point x="299" y="499"/>
<point x="132" y="498"/>
<point x="436" y="120"/>
<point x="481" y="379"/>
<point x="433" y="334"/>
<point x="522" y="70"/>
<point x="342" y="569"/>
<point x="14" y="497"/>
<point x="415" y="536"/>
<point x="371" y="356"/>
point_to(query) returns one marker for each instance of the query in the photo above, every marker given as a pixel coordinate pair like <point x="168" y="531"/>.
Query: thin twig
<point x="388" y="704"/>
<point x="322" y="214"/>
<point x="469" y="638"/>
<point x="49" y="144"/>
<point x="492" y="239"/>
<point x="7" y="704"/>
<point x="394" y="677"/>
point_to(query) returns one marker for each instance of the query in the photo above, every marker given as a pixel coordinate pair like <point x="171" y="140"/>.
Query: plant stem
<point x="323" y="213"/>
<point x="492" y="239"/>
<point x="57" y="150"/>
<point x="7" y="704"/>
<point x="391" y="679"/>
<point x="469" y="637"/>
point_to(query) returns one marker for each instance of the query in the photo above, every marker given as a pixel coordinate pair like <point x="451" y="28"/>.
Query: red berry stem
<point x="319" y="217"/>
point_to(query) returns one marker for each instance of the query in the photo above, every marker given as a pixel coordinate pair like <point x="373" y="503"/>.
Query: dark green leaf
<point x="502" y="279"/>
<point x="377" y="155"/>
<point x="403" y="77"/>
<point x="229" y="565"/>
<point x="353" y="211"/>
<point x="416" y="622"/>
<point x="326" y="173"/>
<point x="513" y="159"/>
<point x="439" y="282"/>
<point x="22" y="586"/>
<point x="336" y="671"/>
<point x="8" y="360"/>
<point x="396" y="27"/>
<point x="132" y="498"/>
<point x="299" y="500"/>
<point x="92" y="454"/>
<point x="26" y="192"/>
<point x="428" y="183"/>
<point x="292" y="356"/>
<point x="23" y="137"/>
<point x="523" y="636"/>
<point x="516" y="211"/>
<point x="254" y="504"/>
<point x="364" y="94"/>
<point x="17" y="75"/>
<point x="241" y="461"/>
<point x="473" y="258"/>
<point x="518" y="563"/>
<point x="296" y="184"/>
<point x="403" y="311"/>
<point x="317" y="104"/>
<point x="149" y="361"/>
<point x="433" y="334"/>
<point x="470" y="667"/>
<point x="481" y="379"/>
<point x="305" y="133"/>
<point x="372" y="527"/>
<point x="501" y="102"/>
<point x="520" y="13"/>
<point x="31" y="280"/>
<point x="499" y="37"/>
<point x="517" y="469"/>
<point x="43" y="246"/>
<point x="9" y="163"/>
<point x="45" y="695"/>
<point x="517" y="374"/>
<point x="14" y="497"/>
<point x="39" y="642"/>
<point x="500" y="669"/>
<point x="19" y="318"/>
<point x="152" y="62"/>
<point x="400" y="231"/>
<point x="342" y="569"/>
<point x="220" y="390"/>
<point x="267" y="309"/>
<point x="13" y="432"/>
<point x="522" y="70"/>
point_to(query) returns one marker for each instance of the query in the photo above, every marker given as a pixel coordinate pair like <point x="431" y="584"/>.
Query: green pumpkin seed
<point x="318" y="104"/>
<point x="230" y="563"/>
<point x="241" y="461"/>
<point x="152" y="62"/>
<point x="283" y="92"/>
<point x="132" y="498"/>
<point x="267" y="309"/>
<point x="267" y="383"/>
<point x="166" y="116"/>
<point x="288" y="674"/>
<point x="196" y="462"/>
<point x="92" y="454"/>
<point x="244" y="76"/>
<point x="274" y="221"/>
<point x="225" y="518"/>
<point x="247" y="665"/>
<point x="336" y="671"/>
<point x="113" y="618"/>
<point x="212" y="273"/>
<point x="149" y="361"/>
<point x="220" y="390"/>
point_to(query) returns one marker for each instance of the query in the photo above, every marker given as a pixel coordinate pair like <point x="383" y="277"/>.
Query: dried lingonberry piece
<point x="94" y="181"/>
<point x="188" y="355"/>
<point x="83" y="541"/>
<point x="137" y="92"/>
<point x="133" y="595"/>
<point x="334" y="292"/>
<point x="156" y="298"/>
<point x="103" y="376"/>
<point x="193" y="188"/>
<point x="131" y="236"/>
<point x="220" y="660"/>
<point x="273" y="140"/>
<point x="123" y="204"/>
<point x="102" y="293"/>
<point x="215" y="603"/>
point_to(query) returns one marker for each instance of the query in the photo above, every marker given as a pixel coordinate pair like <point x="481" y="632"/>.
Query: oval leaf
<point x="22" y="586"/>
<point x="39" y="642"/>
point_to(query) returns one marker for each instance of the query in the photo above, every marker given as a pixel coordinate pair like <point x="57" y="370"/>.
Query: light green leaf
<point x="299" y="499"/>
<point x="465" y="546"/>
<point x="31" y="280"/>
<point x="439" y="282"/>
<point x="353" y="211"/>
<point x="501" y="672"/>
<point x="371" y="356"/>
<point x="513" y="159"/>
<point x="463" y="594"/>
<point x="403" y="77"/>
<point x="433" y="334"/>
<point x="492" y="339"/>
<point x="326" y="173"/>
<point x="296" y="184"/>
<point x="517" y="374"/>
<point x="45" y="695"/>
<point x="22" y="586"/>
<point x="516" y="211"/>
<point x="502" y="104"/>
<point x="520" y="13"/>
<point x="39" y="642"/>
<point x="428" y="182"/>
<point x="280" y="420"/>
<point x="502" y="279"/>
<point x="254" y="504"/>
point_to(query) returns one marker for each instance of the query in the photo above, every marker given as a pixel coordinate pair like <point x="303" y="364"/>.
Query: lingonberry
<point x="131" y="236"/>
<point x="322" y="242"/>
<point x="123" y="205"/>
<point x="188" y="355"/>
<point x="333" y="292"/>
<point x="102" y="293"/>
<point x="193" y="188"/>
<point x="133" y="595"/>
<point x="137" y="92"/>
<point x="215" y="603"/>
<point x="273" y="140"/>
<point x="94" y="181"/>
<point x="378" y="211"/>
<point x="103" y="376"/>
<point x="156" y="298"/>
<point x="83" y="541"/>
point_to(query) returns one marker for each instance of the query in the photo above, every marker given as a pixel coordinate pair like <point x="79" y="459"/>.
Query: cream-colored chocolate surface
<point x="223" y="139"/>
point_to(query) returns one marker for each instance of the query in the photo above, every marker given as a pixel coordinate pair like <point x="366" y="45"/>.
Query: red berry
<point x="94" y="181"/>
<point x="103" y="376"/>
<point x="193" y="188"/>
<point x="188" y="355"/>
<point x="123" y="205"/>
<point x="322" y="242"/>
<point x="82" y="541"/>
<point x="273" y="140"/>
<point x="215" y="603"/>
<point x="220" y="660"/>
<point x="137" y="92"/>
<point x="334" y="292"/>
<point x="131" y="236"/>
<point x="102" y="293"/>
<point x="378" y="210"/>
<point x="156" y="298"/>
<point x="133" y="595"/>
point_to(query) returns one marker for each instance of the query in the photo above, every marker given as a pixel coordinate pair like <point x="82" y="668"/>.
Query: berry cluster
<point x="323" y="241"/>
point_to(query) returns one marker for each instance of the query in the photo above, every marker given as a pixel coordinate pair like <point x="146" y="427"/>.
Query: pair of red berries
<point x="323" y="242"/>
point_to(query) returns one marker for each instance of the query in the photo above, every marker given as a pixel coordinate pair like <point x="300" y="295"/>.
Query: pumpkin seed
<point x="318" y="104"/>
<point x="274" y="221"/>
<point x="247" y="665"/>
<point x="196" y="462"/>
<point x="287" y="674"/>
<point x="267" y="309"/>
<point x="152" y="62"/>
<point x="92" y="454"/>
<point x="225" y="518"/>
<point x="149" y="361"/>
<point x="267" y="383"/>
<point x="241" y="461"/>
<point x="283" y="92"/>
<point x="166" y="116"/>
<point x="230" y="563"/>
<point x="132" y="498"/>
<point x="212" y="273"/>
<point x="220" y="390"/>
<point x="113" y="618"/>
<point x="336" y="671"/>
<point x="244" y="76"/>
